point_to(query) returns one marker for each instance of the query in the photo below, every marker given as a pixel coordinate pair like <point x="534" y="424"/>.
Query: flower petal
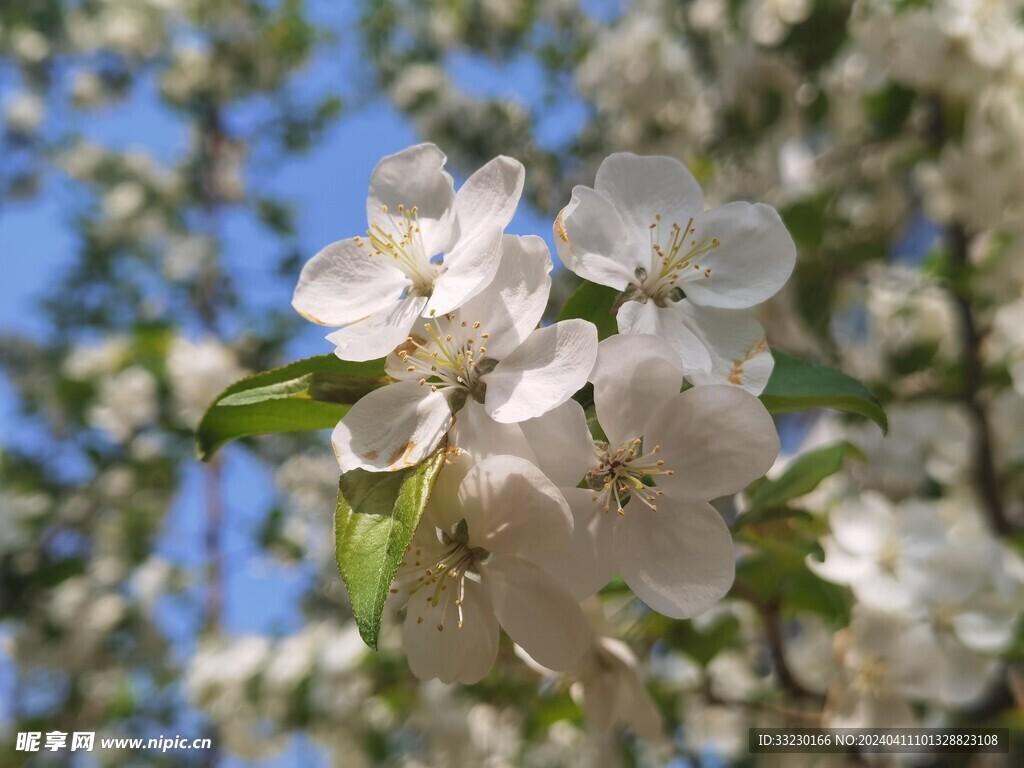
<point x="989" y="629"/>
<point x="679" y="560"/>
<point x="632" y="374"/>
<point x="443" y="509"/>
<point x="755" y="257"/>
<point x="452" y="654"/>
<point x="392" y="427"/>
<point x="379" y="334"/>
<point x="598" y="695"/>
<point x="511" y="306"/>
<point x="414" y="177"/>
<point x="558" y="443"/>
<point x="489" y="198"/>
<point x="863" y="524"/>
<point x="632" y="704"/>
<point x="839" y="566"/>
<point x="714" y="438"/>
<point x="345" y="283"/>
<point x="545" y="371"/>
<point x="636" y="317"/>
<point x="561" y="443"/>
<point x="593" y="242"/>
<point x="481" y="436"/>
<point x="536" y="611"/>
<point x="736" y="342"/>
<point x="961" y="675"/>
<point x="469" y="268"/>
<point x="642" y="188"/>
<point x="513" y="509"/>
<point x="589" y="561"/>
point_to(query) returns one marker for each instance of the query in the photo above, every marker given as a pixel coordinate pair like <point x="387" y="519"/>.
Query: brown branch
<point x="212" y="544"/>
<point x="213" y="141"/>
<point x="769" y="613"/>
<point x="958" y="241"/>
<point x="986" y="477"/>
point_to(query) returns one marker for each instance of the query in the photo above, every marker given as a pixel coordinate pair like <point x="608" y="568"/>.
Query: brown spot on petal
<point x="736" y="372"/>
<point x="311" y="317"/>
<point x="402" y="452"/>
<point x="370" y="455"/>
<point x="560" y="230"/>
<point x="409" y="346"/>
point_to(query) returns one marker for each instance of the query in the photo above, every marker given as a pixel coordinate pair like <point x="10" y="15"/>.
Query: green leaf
<point x="889" y="108"/>
<point x="702" y="645"/>
<point x="374" y="523"/>
<point x="768" y="515"/>
<point x="799" y="385"/>
<point x="595" y="303"/>
<point x="801" y="476"/>
<point x="805" y="592"/>
<point x="805" y="220"/>
<point x="308" y="394"/>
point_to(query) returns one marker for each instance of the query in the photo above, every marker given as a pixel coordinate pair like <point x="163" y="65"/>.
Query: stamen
<point x="447" y="359"/>
<point x="625" y="474"/>
<point x="670" y="261"/>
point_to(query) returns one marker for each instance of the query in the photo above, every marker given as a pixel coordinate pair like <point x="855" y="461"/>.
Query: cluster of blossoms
<point x="535" y="509"/>
<point x="936" y="595"/>
<point x="938" y="600"/>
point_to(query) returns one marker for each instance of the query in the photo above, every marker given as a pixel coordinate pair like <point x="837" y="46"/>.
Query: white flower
<point x="643" y="230"/>
<point x="20" y="515"/>
<point x="428" y="250"/>
<point x="87" y="89"/>
<point x="879" y="550"/>
<point x="198" y="372"/>
<point x="952" y="47"/>
<point x="124" y="200"/>
<point x="551" y="442"/>
<point x="30" y="45"/>
<point x="24" y="113"/>
<point x="809" y="653"/>
<point x="970" y="598"/>
<point x="770" y="20"/>
<point x="472" y="565"/>
<point x="126" y="402"/>
<point x="883" y="659"/>
<point x="938" y="567"/>
<point x="488" y="351"/>
<point x="927" y="441"/>
<point x="645" y="86"/>
<point x="606" y="682"/>
<point x="152" y="579"/>
<point x="668" y="454"/>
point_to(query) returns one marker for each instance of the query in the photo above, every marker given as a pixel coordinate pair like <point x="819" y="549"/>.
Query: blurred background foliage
<point x="890" y="135"/>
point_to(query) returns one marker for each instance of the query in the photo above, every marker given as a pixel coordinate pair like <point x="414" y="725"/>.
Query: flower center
<point x="675" y="255"/>
<point x="403" y="247"/>
<point x="889" y="555"/>
<point x="944" y="618"/>
<point x="452" y="359"/>
<point x="872" y="676"/>
<point x="455" y="562"/>
<point x="619" y="475"/>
